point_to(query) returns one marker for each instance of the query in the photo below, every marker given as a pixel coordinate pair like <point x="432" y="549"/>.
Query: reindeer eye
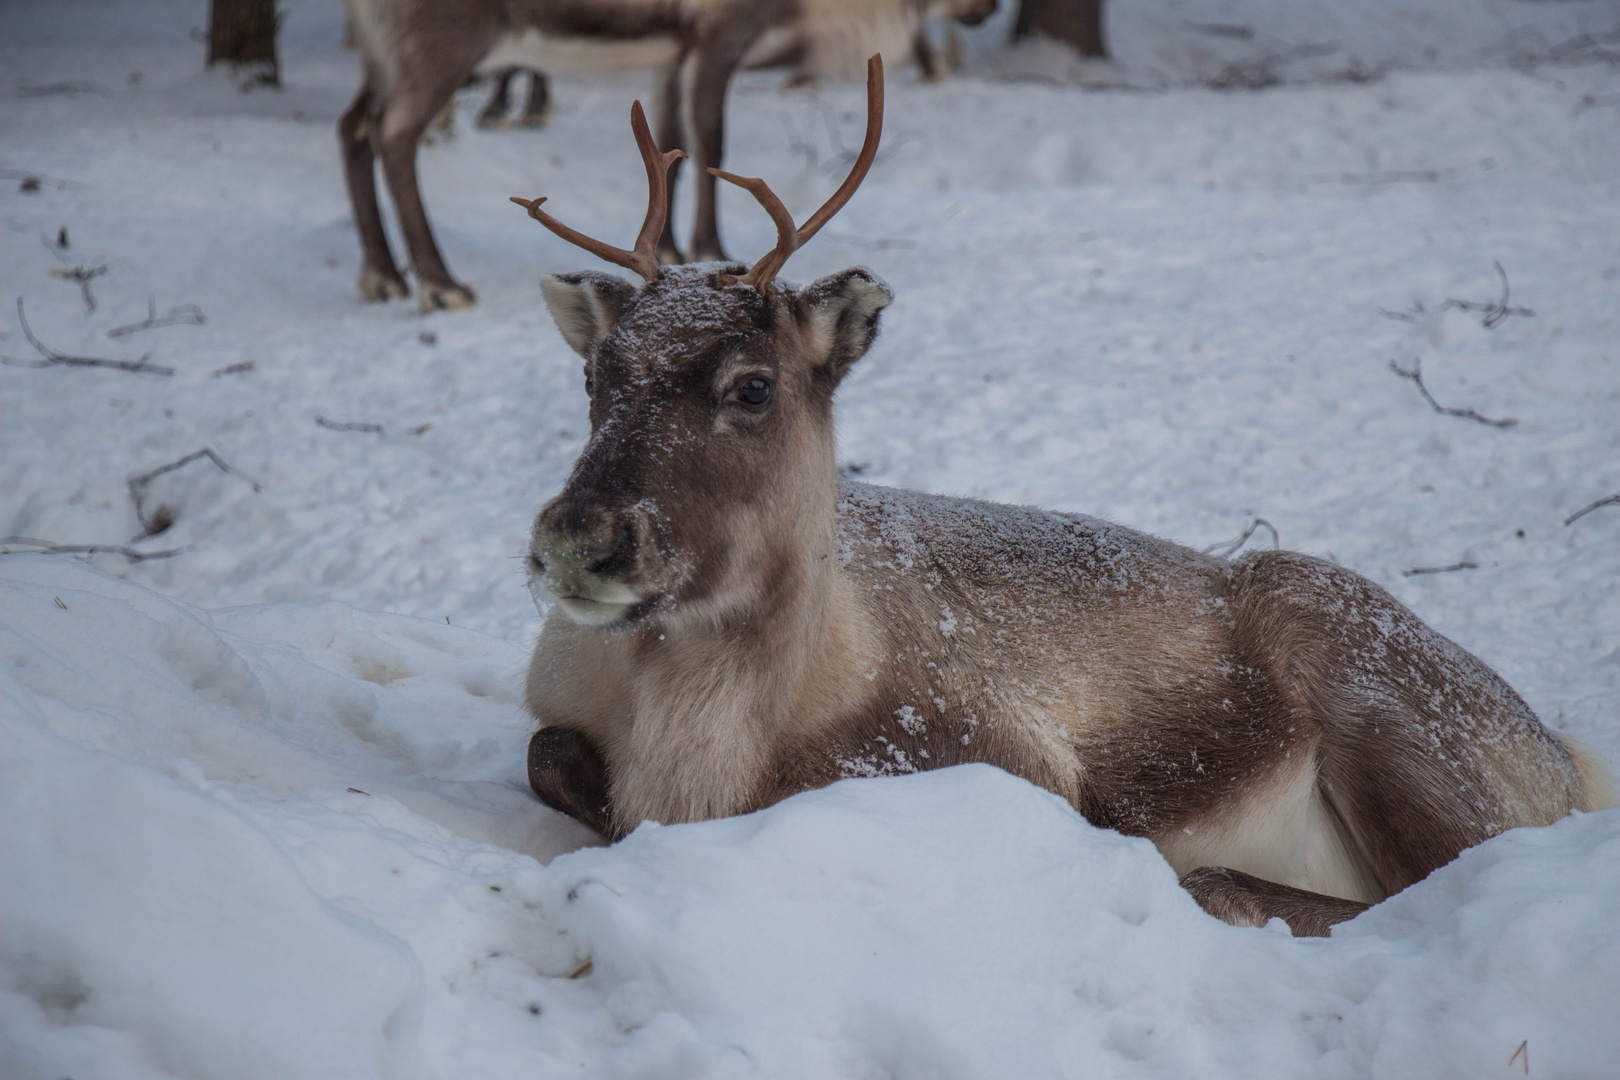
<point x="755" y="391"/>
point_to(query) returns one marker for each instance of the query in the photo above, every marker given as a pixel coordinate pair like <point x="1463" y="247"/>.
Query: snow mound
<point x="294" y="841"/>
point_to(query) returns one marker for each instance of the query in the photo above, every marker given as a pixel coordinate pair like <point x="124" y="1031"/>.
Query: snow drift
<point x="293" y="841"/>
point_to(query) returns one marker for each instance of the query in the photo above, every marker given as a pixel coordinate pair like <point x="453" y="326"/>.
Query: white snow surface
<point x="262" y="803"/>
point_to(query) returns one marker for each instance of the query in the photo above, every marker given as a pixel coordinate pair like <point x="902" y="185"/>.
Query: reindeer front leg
<point x="1245" y="900"/>
<point x="568" y="774"/>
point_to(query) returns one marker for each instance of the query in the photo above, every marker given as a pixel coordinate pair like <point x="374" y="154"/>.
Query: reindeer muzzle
<point x="601" y="566"/>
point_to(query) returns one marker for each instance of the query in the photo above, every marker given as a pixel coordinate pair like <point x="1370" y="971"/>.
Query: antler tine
<point x="642" y="258"/>
<point x="788" y="238"/>
<point x="863" y="162"/>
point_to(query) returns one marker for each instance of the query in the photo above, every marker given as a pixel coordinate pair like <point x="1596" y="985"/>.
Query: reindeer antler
<point x="788" y="238"/>
<point x="642" y="258"/>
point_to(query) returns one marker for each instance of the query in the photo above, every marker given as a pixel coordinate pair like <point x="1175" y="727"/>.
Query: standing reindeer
<point x="732" y="624"/>
<point x="417" y="53"/>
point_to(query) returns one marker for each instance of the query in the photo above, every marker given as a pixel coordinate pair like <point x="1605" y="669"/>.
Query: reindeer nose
<point x="600" y="541"/>
<point x="597" y="562"/>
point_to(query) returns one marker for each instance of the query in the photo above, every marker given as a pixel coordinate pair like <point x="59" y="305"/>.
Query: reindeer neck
<point x="718" y="697"/>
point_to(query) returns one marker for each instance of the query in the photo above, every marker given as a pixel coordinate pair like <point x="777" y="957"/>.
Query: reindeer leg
<point x="1245" y="900"/>
<point x="669" y="137"/>
<point x="1424" y="750"/>
<point x="927" y="57"/>
<point x="380" y="279"/>
<point x="493" y="114"/>
<point x="568" y="775"/>
<point x="538" y="109"/>
<point x="713" y="65"/>
<point x="403" y="122"/>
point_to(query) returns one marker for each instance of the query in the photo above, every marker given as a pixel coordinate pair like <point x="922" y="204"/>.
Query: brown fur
<point x="1245" y="900"/>
<point x="758" y="629"/>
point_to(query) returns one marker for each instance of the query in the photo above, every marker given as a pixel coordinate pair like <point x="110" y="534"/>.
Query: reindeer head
<point x="709" y="473"/>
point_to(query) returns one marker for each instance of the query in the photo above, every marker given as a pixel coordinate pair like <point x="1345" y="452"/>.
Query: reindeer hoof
<point x="536" y="119"/>
<point x="710" y="256"/>
<point x="669" y="257"/>
<point x="445" y="297"/>
<point x="377" y="284"/>
<point x="492" y="121"/>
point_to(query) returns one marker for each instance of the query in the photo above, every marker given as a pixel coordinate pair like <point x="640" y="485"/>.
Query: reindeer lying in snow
<point x="732" y="624"/>
<point x="418" y="53"/>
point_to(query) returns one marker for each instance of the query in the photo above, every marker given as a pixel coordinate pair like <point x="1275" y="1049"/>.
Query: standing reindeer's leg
<point x="379" y="277"/>
<point x="712" y="66"/>
<point x="493" y="114"/>
<point x="929" y="62"/>
<point x="671" y="136"/>
<point x="403" y="121"/>
<point x="1422" y="750"/>
<point x="538" y="109"/>
<point x="568" y="775"/>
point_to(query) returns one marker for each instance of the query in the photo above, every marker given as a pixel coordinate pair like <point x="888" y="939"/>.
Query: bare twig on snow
<point x="162" y="517"/>
<point x="19" y="545"/>
<point x="1607" y="500"/>
<point x="348" y="425"/>
<point x="234" y="369"/>
<point x="54" y="358"/>
<point x="185" y="314"/>
<point x="1227" y="548"/>
<point x="1466" y="564"/>
<point x="1495" y="310"/>
<point x="1416" y="375"/>
<point x="30" y="182"/>
<point x="83" y="274"/>
<point x="1524" y="1049"/>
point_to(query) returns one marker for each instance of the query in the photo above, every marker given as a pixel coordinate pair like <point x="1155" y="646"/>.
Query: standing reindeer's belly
<point x="578" y="55"/>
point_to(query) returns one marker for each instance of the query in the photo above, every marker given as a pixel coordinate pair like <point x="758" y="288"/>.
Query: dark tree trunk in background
<point x="242" y="33"/>
<point x="1077" y="22"/>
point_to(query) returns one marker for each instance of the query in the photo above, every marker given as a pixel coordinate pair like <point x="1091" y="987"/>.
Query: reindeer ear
<point x="585" y="305"/>
<point x="839" y="317"/>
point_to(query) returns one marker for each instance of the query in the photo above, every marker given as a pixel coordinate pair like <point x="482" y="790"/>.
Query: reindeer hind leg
<point x="670" y="137"/>
<point x="537" y="111"/>
<point x="1423" y="750"/>
<point x="493" y="114"/>
<point x="380" y="278"/>
<point x="403" y="123"/>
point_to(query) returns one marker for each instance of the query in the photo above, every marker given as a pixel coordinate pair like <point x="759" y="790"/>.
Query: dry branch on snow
<point x="1416" y="376"/>
<point x="54" y="358"/>
<point x="185" y="314"/>
<point x="163" y="516"/>
<point x="1607" y="500"/>
<point x="1228" y="547"/>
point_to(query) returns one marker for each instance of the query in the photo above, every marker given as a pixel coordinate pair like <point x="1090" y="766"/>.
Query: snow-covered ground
<point x="262" y="806"/>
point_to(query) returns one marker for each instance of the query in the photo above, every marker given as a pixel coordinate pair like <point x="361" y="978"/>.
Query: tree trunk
<point x="242" y="33"/>
<point x="1077" y="22"/>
